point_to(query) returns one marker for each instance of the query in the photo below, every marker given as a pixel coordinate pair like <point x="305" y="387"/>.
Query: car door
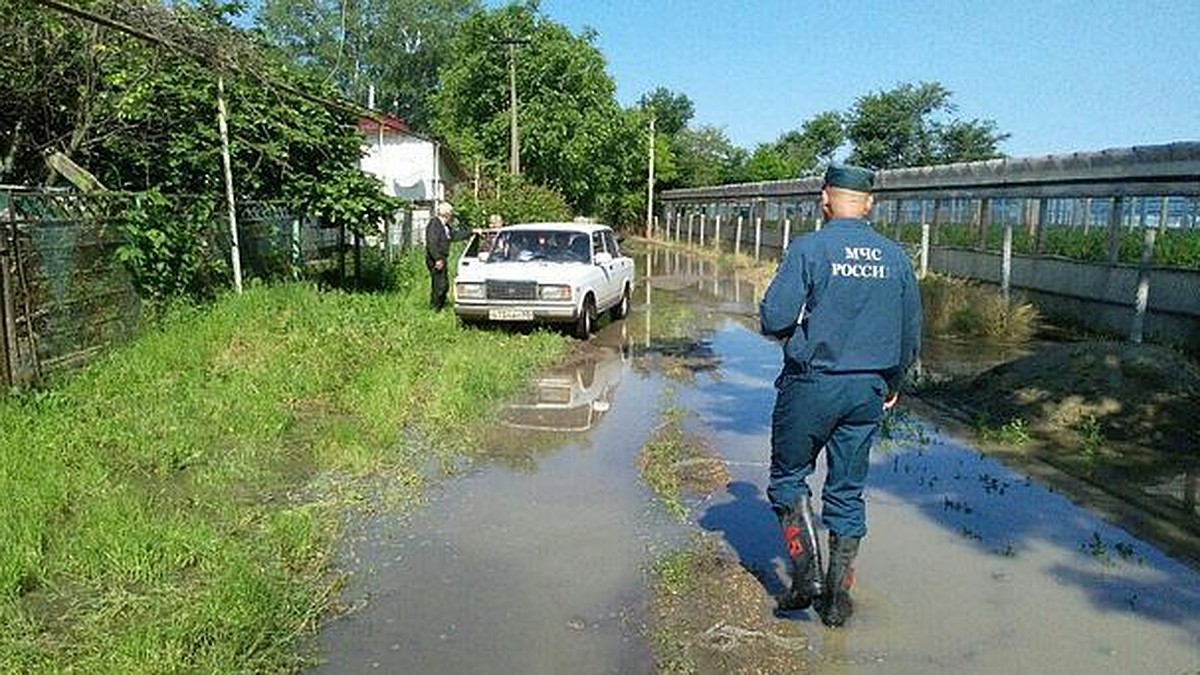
<point x="608" y="292"/>
<point x="622" y="267"/>
<point x="470" y="255"/>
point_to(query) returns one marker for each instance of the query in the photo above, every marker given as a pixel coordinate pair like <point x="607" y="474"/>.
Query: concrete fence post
<point x="758" y="222"/>
<point x="1142" y="296"/>
<point x="1006" y="262"/>
<point x="1115" y="208"/>
<point x="924" y="249"/>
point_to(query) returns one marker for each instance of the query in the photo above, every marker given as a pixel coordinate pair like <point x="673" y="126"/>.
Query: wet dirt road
<point x="533" y="560"/>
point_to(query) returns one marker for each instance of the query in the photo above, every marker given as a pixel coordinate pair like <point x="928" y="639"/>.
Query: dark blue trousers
<point x="840" y="413"/>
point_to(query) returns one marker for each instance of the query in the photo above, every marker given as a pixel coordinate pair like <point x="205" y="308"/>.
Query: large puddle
<point x="534" y="560"/>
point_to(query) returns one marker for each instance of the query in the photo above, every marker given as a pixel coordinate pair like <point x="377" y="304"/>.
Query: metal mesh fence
<point x="71" y="271"/>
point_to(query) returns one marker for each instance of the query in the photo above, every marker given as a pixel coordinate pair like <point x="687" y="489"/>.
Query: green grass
<point x="659" y="462"/>
<point x="174" y="507"/>
<point x="1014" y="432"/>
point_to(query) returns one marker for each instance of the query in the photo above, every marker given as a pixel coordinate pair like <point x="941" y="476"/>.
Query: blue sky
<point x="1059" y="76"/>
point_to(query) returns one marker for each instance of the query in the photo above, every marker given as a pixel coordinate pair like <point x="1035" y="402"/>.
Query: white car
<point x="565" y="273"/>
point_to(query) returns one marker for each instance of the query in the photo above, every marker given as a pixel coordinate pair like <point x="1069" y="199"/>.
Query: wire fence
<point x="72" y="266"/>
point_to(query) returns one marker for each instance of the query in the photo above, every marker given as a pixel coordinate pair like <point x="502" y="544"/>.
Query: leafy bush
<point x="516" y="200"/>
<point x="168" y="248"/>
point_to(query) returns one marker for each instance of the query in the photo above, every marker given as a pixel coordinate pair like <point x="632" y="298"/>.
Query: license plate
<point x="507" y="314"/>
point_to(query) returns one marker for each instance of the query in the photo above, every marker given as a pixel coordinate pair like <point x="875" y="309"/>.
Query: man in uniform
<point x="437" y="250"/>
<point x="846" y="305"/>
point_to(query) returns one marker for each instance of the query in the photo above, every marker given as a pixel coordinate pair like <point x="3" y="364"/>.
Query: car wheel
<point x="583" y="325"/>
<point x="621" y="309"/>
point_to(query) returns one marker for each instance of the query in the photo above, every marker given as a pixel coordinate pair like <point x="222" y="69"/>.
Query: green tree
<point x="672" y="111"/>
<point x="574" y="138"/>
<point x="912" y="125"/>
<point x="706" y="156"/>
<point x="796" y="153"/>
<point x="396" y="46"/>
<point x="144" y="117"/>
<point x="967" y="141"/>
<point x="820" y="137"/>
<point x="770" y="161"/>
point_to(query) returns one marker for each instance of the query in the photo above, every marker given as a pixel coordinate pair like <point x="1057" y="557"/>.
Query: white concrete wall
<point x="1093" y="295"/>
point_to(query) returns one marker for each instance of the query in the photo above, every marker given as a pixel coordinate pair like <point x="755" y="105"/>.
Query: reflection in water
<point x="561" y="404"/>
<point x="571" y="397"/>
<point x="685" y="300"/>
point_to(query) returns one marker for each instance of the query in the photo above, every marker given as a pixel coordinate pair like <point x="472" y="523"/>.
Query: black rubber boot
<point x="835" y="605"/>
<point x="804" y="550"/>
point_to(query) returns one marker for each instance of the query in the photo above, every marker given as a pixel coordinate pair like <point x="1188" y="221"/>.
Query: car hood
<point x="534" y="270"/>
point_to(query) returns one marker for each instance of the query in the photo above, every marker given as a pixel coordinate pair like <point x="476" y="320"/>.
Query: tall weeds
<point x="963" y="308"/>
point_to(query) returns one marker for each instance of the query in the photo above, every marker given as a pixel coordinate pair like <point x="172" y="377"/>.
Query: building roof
<point x="383" y="122"/>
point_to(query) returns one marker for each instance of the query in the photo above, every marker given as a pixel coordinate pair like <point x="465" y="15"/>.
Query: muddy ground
<point x="1112" y="425"/>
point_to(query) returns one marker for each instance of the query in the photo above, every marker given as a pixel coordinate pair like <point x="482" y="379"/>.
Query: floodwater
<point x="533" y="560"/>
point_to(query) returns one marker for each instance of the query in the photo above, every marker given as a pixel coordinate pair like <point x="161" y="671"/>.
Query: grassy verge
<point x="674" y="462"/>
<point x="709" y="615"/>
<point x="174" y="507"/>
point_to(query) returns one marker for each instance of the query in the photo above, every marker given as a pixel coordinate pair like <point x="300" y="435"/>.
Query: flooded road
<point x="534" y="560"/>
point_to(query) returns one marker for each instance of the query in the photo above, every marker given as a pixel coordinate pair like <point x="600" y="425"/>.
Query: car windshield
<point x="541" y="245"/>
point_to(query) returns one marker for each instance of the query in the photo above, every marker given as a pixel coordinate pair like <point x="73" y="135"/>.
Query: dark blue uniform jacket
<point x="845" y="300"/>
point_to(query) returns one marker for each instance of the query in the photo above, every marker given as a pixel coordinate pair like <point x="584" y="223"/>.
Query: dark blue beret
<point x="849" y="177"/>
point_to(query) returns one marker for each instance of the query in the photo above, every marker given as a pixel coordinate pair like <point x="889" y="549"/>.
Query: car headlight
<point x="556" y="292"/>
<point x="469" y="291"/>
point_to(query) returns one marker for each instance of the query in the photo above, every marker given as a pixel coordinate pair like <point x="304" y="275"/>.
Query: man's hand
<point x="890" y="401"/>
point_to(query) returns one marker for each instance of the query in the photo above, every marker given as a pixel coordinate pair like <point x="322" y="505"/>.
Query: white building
<point x="417" y="169"/>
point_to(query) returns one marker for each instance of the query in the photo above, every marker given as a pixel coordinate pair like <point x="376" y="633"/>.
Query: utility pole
<point x="514" y="145"/>
<point x="650" y="184"/>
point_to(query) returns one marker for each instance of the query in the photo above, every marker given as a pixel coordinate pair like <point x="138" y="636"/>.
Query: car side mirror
<point x="602" y="257"/>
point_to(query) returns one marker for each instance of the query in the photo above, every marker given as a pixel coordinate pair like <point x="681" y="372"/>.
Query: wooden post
<point x="8" y="309"/>
<point x="1142" y="297"/>
<point x="235" y="255"/>
<point x="297" y="250"/>
<point x="1163" y="212"/>
<point x="717" y="233"/>
<point x="650" y="182"/>
<point x="787" y="232"/>
<point x="737" y="242"/>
